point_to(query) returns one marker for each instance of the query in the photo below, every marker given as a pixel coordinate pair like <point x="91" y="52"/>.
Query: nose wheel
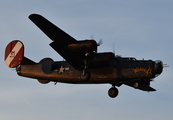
<point x="113" y="92"/>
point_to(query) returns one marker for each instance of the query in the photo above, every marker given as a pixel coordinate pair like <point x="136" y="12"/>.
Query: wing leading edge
<point x="52" y="31"/>
<point x="60" y="40"/>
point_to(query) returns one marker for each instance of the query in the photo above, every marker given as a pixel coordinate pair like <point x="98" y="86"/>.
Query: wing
<point x="52" y="31"/>
<point x="60" y="40"/>
<point x="141" y="85"/>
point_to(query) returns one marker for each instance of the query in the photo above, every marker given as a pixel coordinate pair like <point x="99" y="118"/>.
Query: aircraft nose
<point x="158" y="67"/>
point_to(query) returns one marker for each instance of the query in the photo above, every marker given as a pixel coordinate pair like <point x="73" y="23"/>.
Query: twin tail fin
<point x="14" y="54"/>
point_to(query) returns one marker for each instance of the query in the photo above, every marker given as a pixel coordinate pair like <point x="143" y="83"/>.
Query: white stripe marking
<point x="16" y="49"/>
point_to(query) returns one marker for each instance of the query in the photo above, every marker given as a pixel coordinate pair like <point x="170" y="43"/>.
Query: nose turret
<point x="158" y="67"/>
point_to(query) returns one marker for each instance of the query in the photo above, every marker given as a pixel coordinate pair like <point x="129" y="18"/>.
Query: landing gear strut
<point x="113" y="92"/>
<point x="85" y="74"/>
<point x="85" y="68"/>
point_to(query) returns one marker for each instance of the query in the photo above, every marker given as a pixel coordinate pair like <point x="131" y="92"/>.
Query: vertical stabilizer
<point x="14" y="53"/>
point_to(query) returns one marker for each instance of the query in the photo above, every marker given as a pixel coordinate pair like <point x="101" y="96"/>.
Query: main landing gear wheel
<point x="85" y="76"/>
<point x="113" y="92"/>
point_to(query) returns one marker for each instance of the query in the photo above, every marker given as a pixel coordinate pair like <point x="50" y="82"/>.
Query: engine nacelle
<point x="83" y="46"/>
<point x="102" y="59"/>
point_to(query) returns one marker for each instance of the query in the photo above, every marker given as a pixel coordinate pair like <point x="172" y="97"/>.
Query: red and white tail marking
<point x="14" y="53"/>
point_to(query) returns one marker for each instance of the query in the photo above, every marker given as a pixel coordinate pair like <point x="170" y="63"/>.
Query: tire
<point x="113" y="92"/>
<point x="85" y="77"/>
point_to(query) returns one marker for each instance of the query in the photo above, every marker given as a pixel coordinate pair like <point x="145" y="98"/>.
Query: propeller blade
<point x="100" y="42"/>
<point x="92" y="37"/>
<point x="113" y="48"/>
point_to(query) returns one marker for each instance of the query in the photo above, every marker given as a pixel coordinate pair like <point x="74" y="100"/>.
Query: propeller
<point x="92" y="37"/>
<point x="113" y="47"/>
<point x="99" y="43"/>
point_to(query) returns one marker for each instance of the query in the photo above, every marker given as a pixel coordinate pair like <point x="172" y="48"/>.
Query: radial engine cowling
<point x="83" y="46"/>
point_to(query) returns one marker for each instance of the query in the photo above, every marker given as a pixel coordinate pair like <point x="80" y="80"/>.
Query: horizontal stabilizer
<point x="27" y="61"/>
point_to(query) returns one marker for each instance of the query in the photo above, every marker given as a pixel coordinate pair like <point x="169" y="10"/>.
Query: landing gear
<point x="85" y="76"/>
<point x="113" y="92"/>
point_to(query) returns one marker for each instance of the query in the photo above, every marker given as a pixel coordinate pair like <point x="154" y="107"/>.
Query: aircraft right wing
<point x="52" y="31"/>
<point x="60" y="40"/>
<point x="142" y="85"/>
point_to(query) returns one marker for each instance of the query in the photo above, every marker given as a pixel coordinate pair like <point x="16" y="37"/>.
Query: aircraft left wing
<point x="60" y="40"/>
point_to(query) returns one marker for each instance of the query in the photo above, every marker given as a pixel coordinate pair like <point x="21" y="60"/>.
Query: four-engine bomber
<point x="83" y="65"/>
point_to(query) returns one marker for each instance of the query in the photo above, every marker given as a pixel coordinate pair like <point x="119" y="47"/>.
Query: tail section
<point x="14" y="53"/>
<point x="27" y="61"/>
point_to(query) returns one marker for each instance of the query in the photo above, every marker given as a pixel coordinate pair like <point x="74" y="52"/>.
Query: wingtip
<point x="34" y="15"/>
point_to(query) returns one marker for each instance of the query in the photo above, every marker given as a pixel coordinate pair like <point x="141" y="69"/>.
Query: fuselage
<point x="118" y="71"/>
